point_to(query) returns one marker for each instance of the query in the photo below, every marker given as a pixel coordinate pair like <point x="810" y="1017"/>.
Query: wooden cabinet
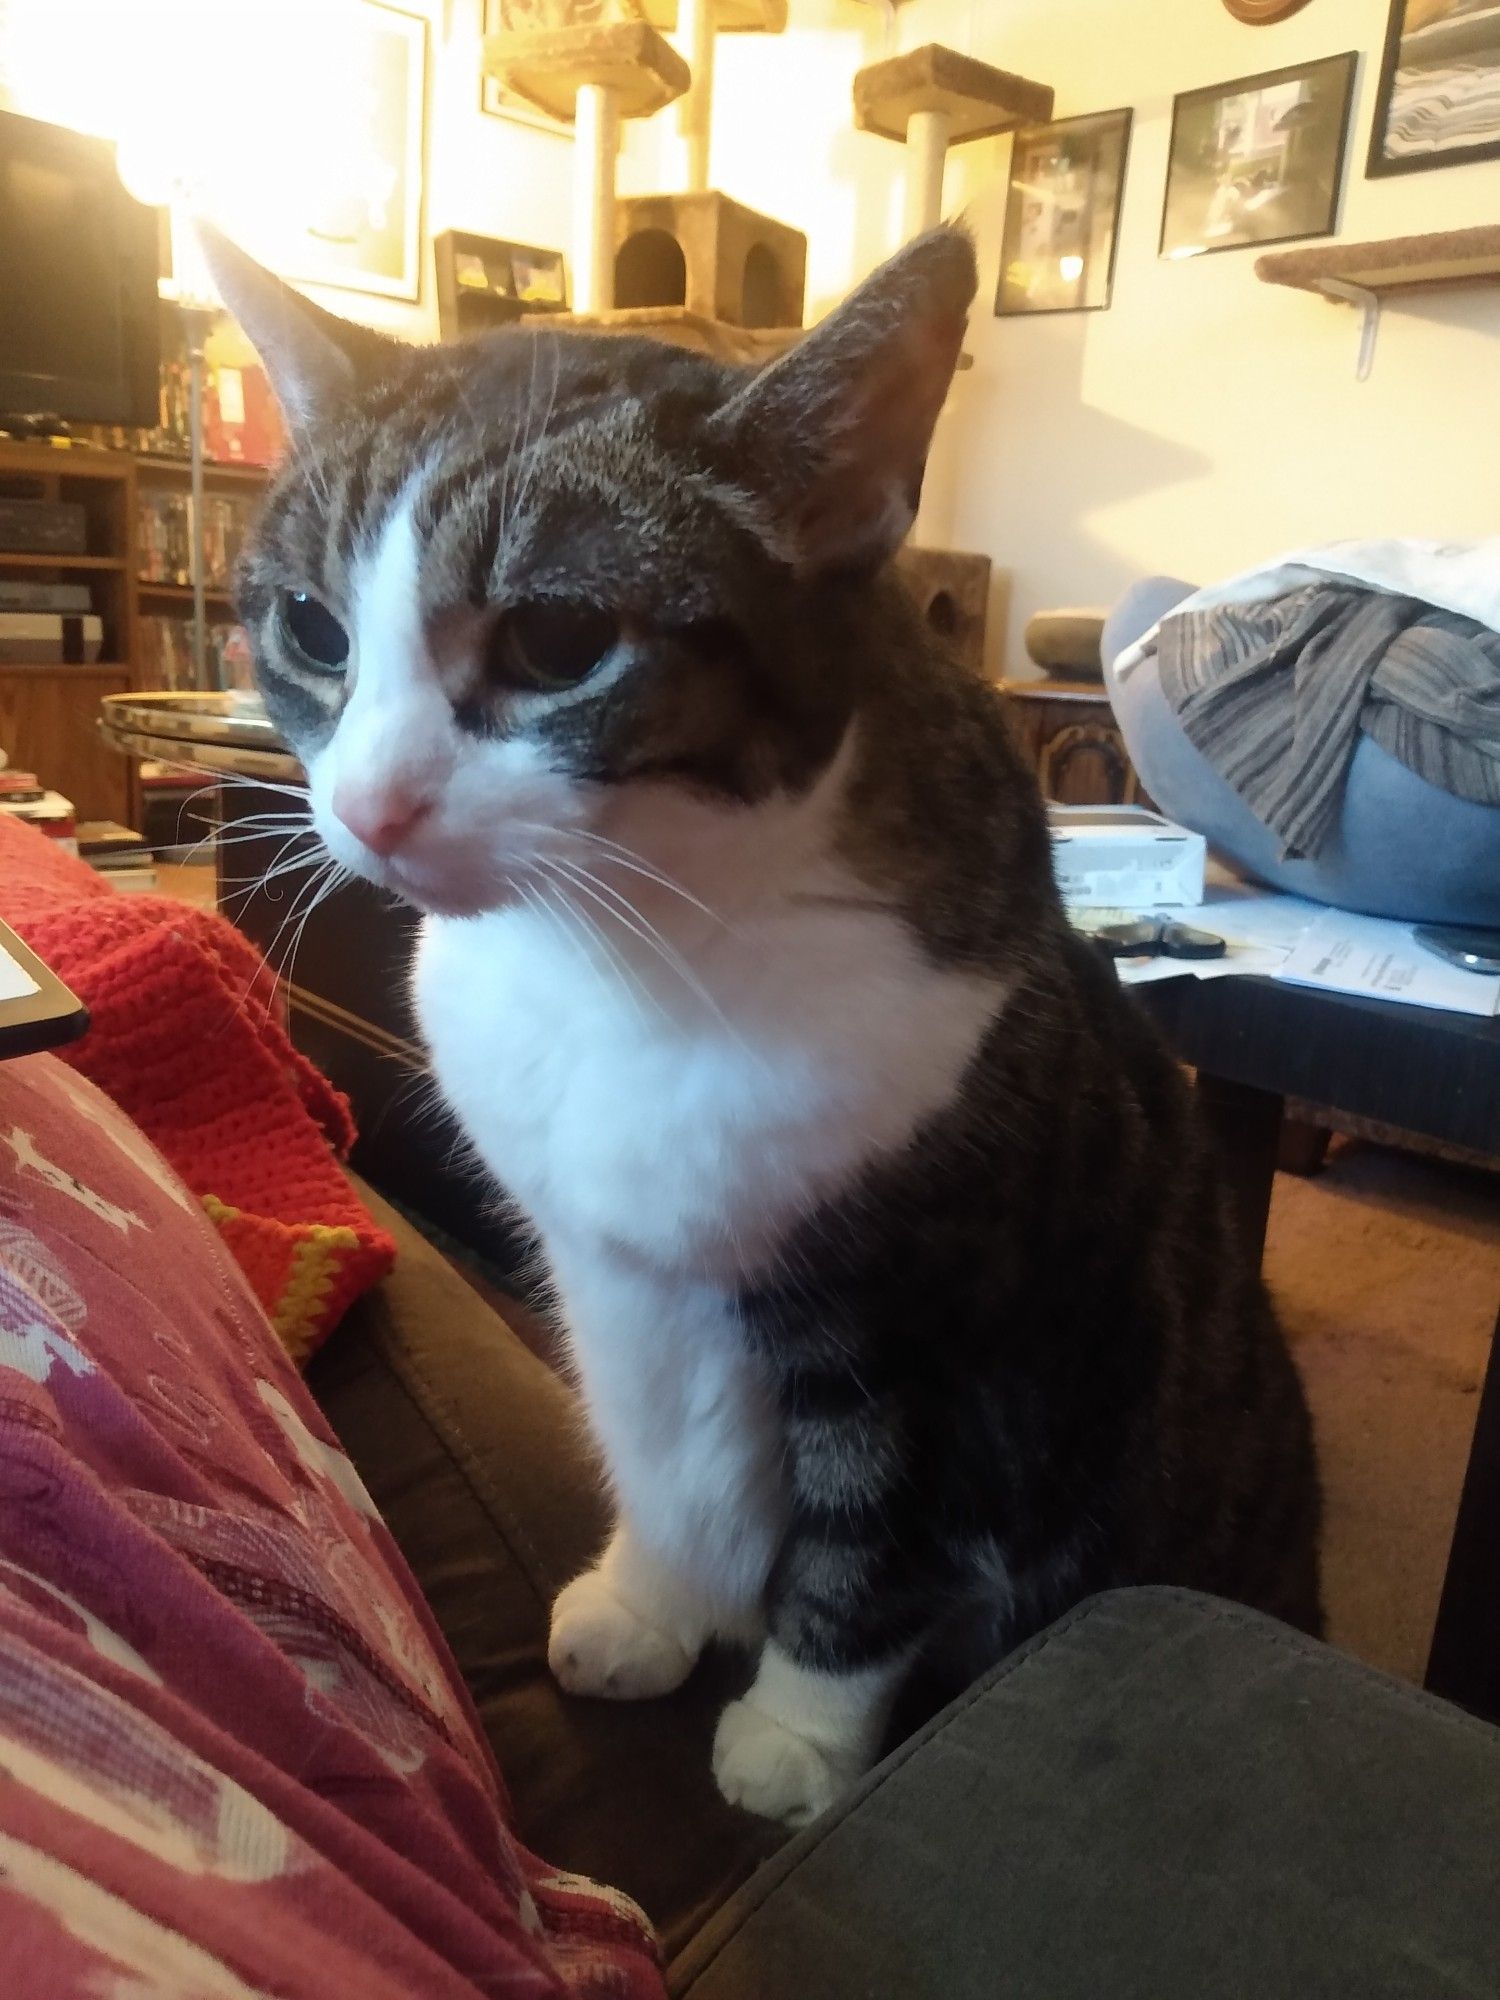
<point x="1072" y="741"/>
<point x="49" y="724"/>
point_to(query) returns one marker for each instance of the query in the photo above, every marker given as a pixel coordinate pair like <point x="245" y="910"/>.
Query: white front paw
<point x="600" y="1646"/>
<point x="762" y="1765"/>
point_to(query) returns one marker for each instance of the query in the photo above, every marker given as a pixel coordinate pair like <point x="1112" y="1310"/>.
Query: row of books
<point x="165" y="648"/>
<point x="165" y="536"/>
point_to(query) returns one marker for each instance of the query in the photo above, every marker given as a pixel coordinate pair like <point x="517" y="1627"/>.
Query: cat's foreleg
<point x="847" y="1605"/>
<point x="685" y="1421"/>
<point x="802" y="1734"/>
<point x="628" y="1628"/>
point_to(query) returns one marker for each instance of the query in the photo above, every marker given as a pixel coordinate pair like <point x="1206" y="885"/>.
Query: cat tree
<point x="693" y="266"/>
<point x="928" y="100"/>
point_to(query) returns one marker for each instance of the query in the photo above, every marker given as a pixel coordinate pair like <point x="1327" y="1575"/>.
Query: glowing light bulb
<point x="1071" y="268"/>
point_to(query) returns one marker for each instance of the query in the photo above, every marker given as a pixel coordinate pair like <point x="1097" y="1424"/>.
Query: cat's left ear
<point x="312" y="357"/>
<point x="832" y="439"/>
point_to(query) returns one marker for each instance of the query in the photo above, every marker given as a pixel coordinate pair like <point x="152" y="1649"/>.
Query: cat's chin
<point x="444" y="902"/>
<point x="445" y="897"/>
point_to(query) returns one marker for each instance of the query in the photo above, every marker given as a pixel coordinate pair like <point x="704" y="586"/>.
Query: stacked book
<point x="120" y="856"/>
<point x="24" y="797"/>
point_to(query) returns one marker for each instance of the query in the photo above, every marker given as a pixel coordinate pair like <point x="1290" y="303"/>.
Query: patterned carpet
<point x="1386" y="1269"/>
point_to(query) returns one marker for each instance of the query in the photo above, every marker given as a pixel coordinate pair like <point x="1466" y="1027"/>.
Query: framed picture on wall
<point x="351" y="215"/>
<point x="1259" y="160"/>
<point x="1438" y="100"/>
<point x="1062" y="215"/>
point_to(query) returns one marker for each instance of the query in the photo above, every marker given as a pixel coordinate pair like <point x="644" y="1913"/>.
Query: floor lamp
<point x="192" y="290"/>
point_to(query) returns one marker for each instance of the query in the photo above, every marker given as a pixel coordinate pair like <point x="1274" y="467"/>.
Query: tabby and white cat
<point x="904" y="1302"/>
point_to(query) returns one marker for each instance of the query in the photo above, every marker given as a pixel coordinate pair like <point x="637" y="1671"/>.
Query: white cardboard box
<point x="1124" y="858"/>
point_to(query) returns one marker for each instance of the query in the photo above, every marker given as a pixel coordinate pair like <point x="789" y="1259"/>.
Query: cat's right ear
<point x="312" y="357"/>
<point x="831" y="441"/>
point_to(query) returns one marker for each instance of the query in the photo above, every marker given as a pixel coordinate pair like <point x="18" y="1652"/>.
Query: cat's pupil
<point x="317" y="634"/>
<point x="542" y="644"/>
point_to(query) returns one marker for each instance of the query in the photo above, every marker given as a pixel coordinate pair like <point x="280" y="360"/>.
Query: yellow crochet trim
<point x="315" y="1266"/>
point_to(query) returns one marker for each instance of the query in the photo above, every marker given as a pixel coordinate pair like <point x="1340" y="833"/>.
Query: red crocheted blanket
<point x="188" y="1037"/>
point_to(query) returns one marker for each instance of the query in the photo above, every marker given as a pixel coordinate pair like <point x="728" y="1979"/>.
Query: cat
<point x="904" y="1300"/>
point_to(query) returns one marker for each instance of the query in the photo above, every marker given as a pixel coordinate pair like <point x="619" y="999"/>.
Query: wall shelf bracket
<point x="1368" y="303"/>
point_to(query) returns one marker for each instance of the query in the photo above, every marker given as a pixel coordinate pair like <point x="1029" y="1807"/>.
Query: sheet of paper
<point x="14" y="983"/>
<point x="1349" y="954"/>
<point x="1309" y="944"/>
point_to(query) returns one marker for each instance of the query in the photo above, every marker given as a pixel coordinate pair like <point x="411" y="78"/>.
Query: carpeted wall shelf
<point x="1367" y="274"/>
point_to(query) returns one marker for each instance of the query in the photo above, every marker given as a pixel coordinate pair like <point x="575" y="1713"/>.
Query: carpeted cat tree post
<point x="928" y="100"/>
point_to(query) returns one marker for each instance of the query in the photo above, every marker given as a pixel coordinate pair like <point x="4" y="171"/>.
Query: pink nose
<point x="381" y="816"/>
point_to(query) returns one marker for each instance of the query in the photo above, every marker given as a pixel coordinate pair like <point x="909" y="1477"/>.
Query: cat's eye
<point x="543" y="644"/>
<point x="315" y="632"/>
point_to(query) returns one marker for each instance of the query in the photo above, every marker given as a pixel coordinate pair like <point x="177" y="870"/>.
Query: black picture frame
<point x="1114" y="129"/>
<point x="1324" y="220"/>
<point x="1443" y="42"/>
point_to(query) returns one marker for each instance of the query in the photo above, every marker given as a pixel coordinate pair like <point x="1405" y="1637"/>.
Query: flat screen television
<point x="79" y="326"/>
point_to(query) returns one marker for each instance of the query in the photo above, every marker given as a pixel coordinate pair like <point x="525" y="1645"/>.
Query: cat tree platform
<point x="550" y="66"/>
<point x="1365" y="275"/>
<point x="933" y="98"/>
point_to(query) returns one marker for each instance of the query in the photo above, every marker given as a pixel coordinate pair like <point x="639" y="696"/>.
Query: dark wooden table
<point x="1256" y="1042"/>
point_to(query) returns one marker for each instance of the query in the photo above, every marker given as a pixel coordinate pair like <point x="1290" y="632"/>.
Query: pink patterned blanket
<point x="235" y="1755"/>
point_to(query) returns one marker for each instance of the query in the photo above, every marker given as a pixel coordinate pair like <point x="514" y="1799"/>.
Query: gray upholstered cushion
<point x="1401" y="848"/>
<point x="1161" y="1798"/>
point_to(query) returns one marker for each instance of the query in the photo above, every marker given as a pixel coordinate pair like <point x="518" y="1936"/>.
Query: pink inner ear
<point x="864" y="499"/>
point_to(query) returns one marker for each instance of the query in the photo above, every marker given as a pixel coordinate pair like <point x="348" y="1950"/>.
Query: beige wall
<point x="1207" y="420"/>
<point x="1203" y="423"/>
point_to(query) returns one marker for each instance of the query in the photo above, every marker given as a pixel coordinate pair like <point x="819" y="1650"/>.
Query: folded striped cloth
<point x="1276" y="692"/>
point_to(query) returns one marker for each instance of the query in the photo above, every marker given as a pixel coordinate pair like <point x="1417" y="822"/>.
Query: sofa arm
<point x="1162" y="1795"/>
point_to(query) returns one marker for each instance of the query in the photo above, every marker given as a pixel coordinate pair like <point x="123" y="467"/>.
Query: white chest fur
<point x="690" y="1126"/>
<point x="664" y="1136"/>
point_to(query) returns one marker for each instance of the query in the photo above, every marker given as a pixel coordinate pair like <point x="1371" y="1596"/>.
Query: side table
<point x="1069" y="734"/>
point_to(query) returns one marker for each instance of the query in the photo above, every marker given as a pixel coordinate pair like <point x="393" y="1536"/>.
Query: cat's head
<point x="533" y="582"/>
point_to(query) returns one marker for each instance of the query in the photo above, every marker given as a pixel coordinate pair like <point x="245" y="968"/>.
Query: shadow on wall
<point x="996" y="474"/>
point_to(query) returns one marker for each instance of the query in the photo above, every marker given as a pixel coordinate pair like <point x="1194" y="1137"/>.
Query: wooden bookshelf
<point x="217" y="478"/>
<point x="16" y="559"/>
<point x="49" y="713"/>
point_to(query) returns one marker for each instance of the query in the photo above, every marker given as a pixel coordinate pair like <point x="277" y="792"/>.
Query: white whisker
<point x="625" y="912"/>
